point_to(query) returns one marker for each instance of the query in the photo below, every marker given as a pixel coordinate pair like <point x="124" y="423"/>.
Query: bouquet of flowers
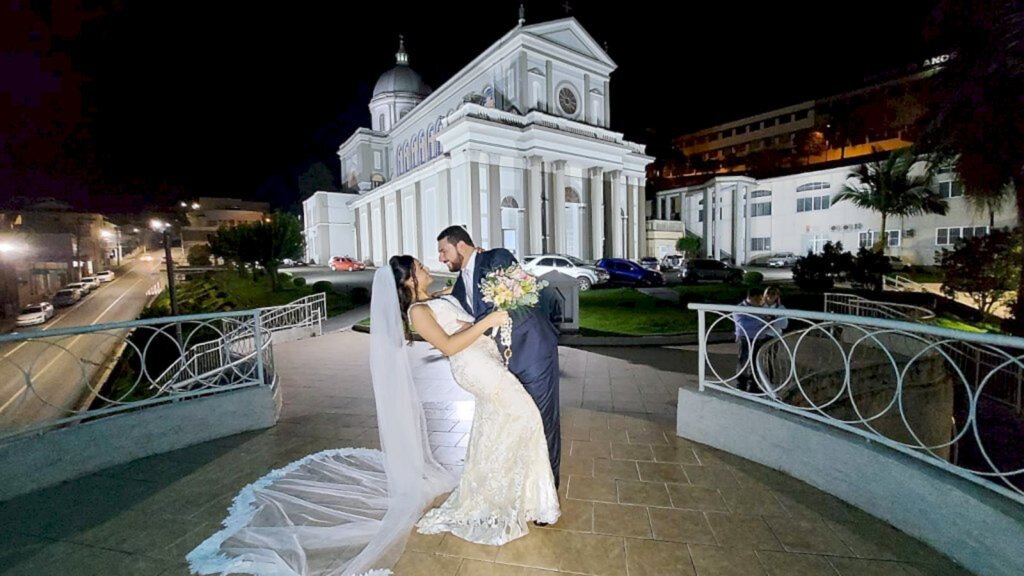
<point x="509" y="289"/>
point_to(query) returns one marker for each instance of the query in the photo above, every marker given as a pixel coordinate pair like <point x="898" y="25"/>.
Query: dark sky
<point x="125" y="105"/>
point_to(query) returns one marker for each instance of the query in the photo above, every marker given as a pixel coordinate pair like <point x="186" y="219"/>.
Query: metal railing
<point x="904" y="284"/>
<point x="57" y="377"/>
<point x="897" y="383"/>
<point x="853" y="305"/>
<point x="1005" y="382"/>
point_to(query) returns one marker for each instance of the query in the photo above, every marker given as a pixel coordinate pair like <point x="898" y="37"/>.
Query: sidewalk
<point x="636" y="499"/>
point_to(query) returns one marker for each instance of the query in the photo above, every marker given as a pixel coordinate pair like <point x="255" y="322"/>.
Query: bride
<point x="507" y="479"/>
<point x="350" y="510"/>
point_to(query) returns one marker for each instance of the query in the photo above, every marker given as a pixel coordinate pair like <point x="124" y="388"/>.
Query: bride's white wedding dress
<point x="349" y="511"/>
<point x="507" y="480"/>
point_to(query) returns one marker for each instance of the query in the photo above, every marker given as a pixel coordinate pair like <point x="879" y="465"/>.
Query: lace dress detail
<point x="507" y="480"/>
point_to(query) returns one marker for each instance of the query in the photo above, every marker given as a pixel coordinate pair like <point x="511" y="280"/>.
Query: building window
<point x="868" y="239"/>
<point x="951" y="189"/>
<point x="760" y="193"/>
<point x="949" y="236"/>
<point x="813" y="186"/>
<point x="567" y="101"/>
<point x="813" y="203"/>
<point x="800" y="115"/>
<point x="437" y="144"/>
<point x="761" y="209"/>
<point x="760" y="244"/>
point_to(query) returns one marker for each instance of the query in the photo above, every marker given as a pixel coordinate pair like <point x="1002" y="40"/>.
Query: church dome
<point x="401" y="78"/>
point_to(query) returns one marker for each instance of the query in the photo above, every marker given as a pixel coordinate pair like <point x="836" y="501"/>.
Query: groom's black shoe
<point x="541" y="524"/>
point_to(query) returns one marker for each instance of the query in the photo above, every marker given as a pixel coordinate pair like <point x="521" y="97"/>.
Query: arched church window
<point x="509" y="202"/>
<point x="437" y="130"/>
<point x="572" y="196"/>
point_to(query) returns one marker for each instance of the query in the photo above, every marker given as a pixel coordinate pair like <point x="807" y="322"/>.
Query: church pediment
<point x="569" y="34"/>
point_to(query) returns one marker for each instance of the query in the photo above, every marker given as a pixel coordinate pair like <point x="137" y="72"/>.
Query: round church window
<point x="567" y="100"/>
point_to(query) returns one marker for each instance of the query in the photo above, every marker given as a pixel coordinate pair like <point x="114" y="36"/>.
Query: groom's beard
<point x="456" y="265"/>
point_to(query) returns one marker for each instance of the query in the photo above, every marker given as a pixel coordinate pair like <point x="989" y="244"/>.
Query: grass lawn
<point x="227" y="291"/>
<point x="954" y="323"/>
<point x="625" y="311"/>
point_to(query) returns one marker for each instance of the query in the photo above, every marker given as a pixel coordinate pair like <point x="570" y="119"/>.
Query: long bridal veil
<point x="346" y="511"/>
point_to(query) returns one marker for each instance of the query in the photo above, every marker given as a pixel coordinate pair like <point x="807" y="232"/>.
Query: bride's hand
<point x="495" y="319"/>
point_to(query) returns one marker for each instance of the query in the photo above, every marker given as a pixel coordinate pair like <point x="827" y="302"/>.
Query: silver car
<point x="782" y="260"/>
<point x="67" y="297"/>
<point x="586" y="275"/>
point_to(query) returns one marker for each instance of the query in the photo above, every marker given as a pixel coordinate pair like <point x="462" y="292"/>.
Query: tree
<point x="888" y="187"/>
<point x="819" y="272"/>
<point x="317" y="177"/>
<point x="974" y="118"/>
<point x="199" y="255"/>
<point x="984" y="267"/>
<point x="688" y="245"/>
<point x="278" y="238"/>
<point x="810" y="143"/>
<point x="868" y="269"/>
<point x="225" y="245"/>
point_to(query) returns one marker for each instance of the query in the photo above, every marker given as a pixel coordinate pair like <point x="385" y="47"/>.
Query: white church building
<point x="515" y="147"/>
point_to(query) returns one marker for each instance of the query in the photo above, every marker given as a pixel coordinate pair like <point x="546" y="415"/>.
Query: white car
<point x="105" y="276"/>
<point x="35" y="314"/>
<point x="82" y="287"/>
<point x="782" y="260"/>
<point x="92" y="281"/>
<point x="585" y="274"/>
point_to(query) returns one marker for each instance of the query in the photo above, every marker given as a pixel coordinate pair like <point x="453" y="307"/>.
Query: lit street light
<point x="165" y="229"/>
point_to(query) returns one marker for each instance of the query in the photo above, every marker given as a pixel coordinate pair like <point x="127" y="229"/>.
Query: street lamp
<point x="165" y="229"/>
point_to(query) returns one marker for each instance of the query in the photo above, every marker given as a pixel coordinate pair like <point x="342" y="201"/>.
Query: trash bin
<point x="561" y="300"/>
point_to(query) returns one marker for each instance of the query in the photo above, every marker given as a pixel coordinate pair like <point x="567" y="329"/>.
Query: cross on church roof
<point x="401" y="57"/>
<point x="566" y="7"/>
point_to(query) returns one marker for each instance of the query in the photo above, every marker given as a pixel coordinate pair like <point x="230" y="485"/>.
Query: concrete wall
<point x="36" y="462"/>
<point x="975" y="526"/>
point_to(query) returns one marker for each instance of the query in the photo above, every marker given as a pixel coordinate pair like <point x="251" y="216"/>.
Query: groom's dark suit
<point x="534" y="348"/>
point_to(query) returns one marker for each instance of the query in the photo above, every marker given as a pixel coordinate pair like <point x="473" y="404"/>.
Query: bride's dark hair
<point x="404" y="268"/>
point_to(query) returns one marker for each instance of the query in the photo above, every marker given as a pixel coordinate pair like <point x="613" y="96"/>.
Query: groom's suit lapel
<point x="460" y="294"/>
<point x="483" y="260"/>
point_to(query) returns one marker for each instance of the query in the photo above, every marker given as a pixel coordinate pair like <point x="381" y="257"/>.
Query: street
<point x="45" y="379"/>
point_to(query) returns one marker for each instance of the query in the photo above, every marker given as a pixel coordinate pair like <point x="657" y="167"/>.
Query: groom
<point x="534" y="339"/>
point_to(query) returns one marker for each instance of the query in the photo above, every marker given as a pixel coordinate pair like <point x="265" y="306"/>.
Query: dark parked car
<point x="696" y="270"/>
<point x="630" y="273"/>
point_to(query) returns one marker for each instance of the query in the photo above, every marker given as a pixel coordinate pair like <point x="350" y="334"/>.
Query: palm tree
<point x="887" y="186"/>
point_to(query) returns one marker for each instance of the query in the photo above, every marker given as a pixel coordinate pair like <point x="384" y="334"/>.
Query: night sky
<point x="123" y="106"/>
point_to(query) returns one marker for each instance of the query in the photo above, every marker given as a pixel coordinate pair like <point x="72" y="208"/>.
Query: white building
<point x="751" y="219"/>
<point x="330" y="226"/>
<point x="515" y="147"/>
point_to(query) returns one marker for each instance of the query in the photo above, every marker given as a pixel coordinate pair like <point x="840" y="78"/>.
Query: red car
<point x="345" y="263"/>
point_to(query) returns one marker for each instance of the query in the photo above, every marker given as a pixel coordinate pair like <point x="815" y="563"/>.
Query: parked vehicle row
<point x="70" y="294"/>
